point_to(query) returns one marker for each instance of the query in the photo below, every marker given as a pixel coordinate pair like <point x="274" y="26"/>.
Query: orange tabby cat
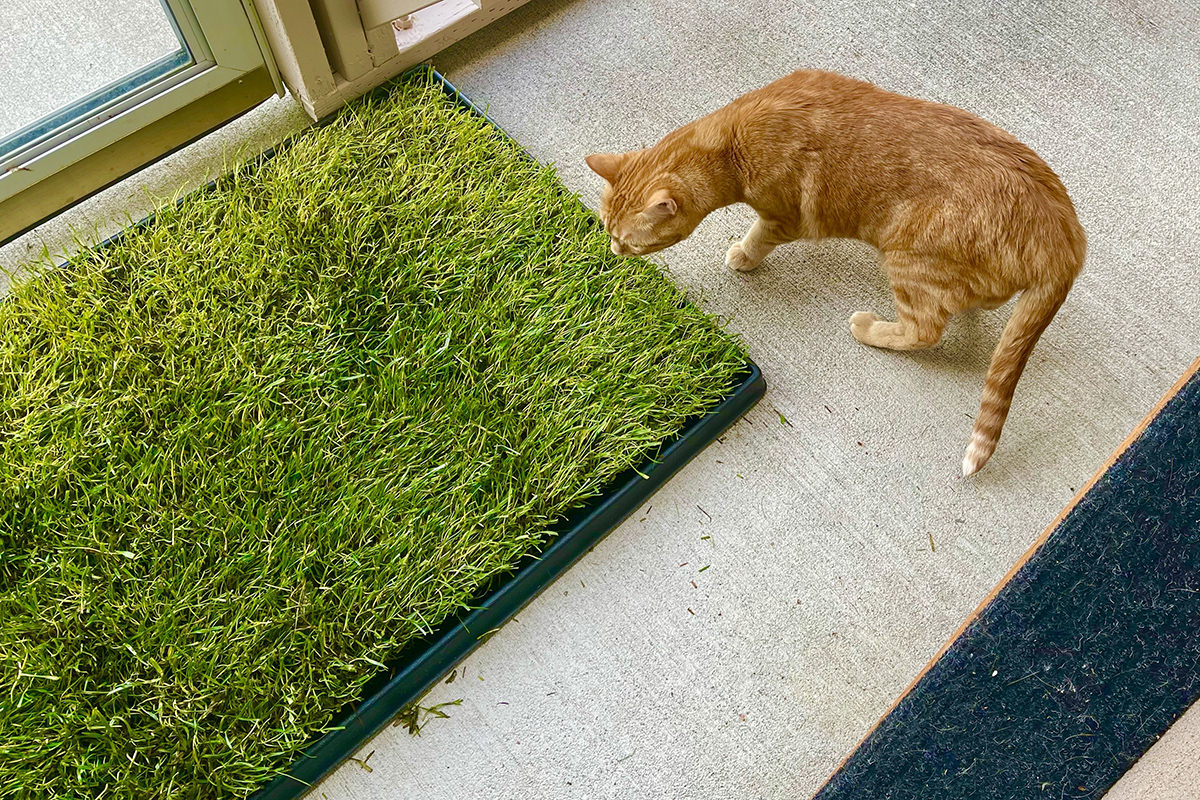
<point x="963" y="214"/>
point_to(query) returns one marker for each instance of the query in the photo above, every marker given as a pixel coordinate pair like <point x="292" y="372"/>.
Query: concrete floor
<point x="823" y="597"/>
<point x="1170" y="770"/>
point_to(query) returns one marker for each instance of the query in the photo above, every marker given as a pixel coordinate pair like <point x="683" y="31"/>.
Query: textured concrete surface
<point x="822" y="596"/>
<point x="53" y="52"/>
<point x="1170" y="770"/>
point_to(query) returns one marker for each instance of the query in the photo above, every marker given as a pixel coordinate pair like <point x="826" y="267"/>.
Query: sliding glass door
<point x="91" y="91"/>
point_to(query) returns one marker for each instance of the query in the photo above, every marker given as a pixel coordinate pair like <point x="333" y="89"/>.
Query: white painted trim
<point x="296" y="44"/>
<point x="432" y="21"/>
<point x="307" y="66"/>
<point x="382" y="12"/>
<point x="381" y="40"/>
<point x="344" y="37"/>
<point x="434" y="29"/>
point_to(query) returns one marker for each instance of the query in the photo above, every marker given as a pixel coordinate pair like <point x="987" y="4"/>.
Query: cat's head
<point x="644" y="208"/>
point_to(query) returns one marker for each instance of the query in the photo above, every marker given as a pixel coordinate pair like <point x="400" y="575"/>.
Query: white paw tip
<point x="974" y="458"/>
<point x="735" y="258"/>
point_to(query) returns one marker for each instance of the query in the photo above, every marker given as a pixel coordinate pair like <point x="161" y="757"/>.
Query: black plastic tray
<point x="424" y="662"/>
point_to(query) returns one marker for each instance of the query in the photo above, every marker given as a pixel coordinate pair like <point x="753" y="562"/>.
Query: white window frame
<point x="224" y="40"/>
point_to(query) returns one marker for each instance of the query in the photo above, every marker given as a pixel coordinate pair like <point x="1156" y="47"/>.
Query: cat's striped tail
<point x="1035" y="308"/>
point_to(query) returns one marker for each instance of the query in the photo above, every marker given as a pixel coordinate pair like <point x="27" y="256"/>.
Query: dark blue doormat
<point x="1079" y="660"/>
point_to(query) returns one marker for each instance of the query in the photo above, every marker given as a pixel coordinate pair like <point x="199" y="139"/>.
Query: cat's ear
<point x="661" y="206"/>
<point x="605" y="165"/>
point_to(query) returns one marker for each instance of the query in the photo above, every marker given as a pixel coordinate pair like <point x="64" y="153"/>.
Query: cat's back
<point x="831" y="102"/>
<point x="852" y="120"/>
<point x="858" y="153"/>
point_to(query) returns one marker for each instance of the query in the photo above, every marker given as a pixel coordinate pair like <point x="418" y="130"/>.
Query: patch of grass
<point x="416" y="716"/>
<point x="254" y="448"/>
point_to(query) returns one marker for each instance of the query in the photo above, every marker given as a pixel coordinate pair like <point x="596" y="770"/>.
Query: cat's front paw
<point x="860" y="325"/>
<point x="736" y="259"/>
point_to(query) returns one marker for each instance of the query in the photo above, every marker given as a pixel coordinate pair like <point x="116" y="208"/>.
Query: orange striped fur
<point x="963" y="214"/>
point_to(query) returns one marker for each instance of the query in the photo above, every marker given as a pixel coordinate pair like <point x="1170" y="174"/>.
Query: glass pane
<point x="62" y="60"/>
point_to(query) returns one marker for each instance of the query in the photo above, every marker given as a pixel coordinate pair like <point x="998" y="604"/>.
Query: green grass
<point x="254" y="448"/>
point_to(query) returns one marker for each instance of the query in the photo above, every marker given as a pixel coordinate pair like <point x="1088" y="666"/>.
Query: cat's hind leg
<point x="921" y="318"/>
<point x="759" y="241"/>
